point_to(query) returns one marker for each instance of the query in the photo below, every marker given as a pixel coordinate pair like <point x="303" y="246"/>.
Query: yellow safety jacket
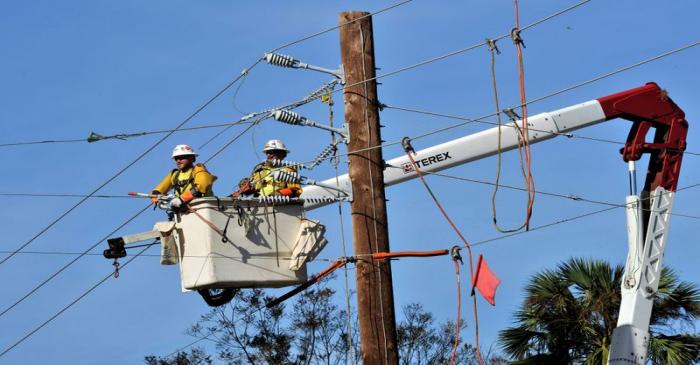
<point x="264" y="183"/>
<point x="197" y="180"/>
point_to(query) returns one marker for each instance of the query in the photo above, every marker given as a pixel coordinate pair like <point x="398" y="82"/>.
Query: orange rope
<point x="524" y="132"/>
<point x="388" y="255"/>
<point x="209" y="223"/>
<point x="337" y="264"/>
<point x="464" y="240"/>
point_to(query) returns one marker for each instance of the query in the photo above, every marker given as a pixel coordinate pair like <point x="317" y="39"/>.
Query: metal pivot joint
<point x="648" y="214"/>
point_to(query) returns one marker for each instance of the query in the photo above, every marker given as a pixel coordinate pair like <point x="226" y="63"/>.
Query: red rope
<point x="464" y="240"/>
<point x="524" y="132"/>
<point x="314" y="279"/>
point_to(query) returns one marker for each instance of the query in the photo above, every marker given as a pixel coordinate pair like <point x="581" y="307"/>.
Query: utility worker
<point x="262" y="181"/>
<point x="188" y="180"/>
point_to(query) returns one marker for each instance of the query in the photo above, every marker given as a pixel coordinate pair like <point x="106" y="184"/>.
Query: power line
<point x="303" y="39"/>
<point x="147" y="151"/>
<point x="573" y="197"/>
<point x="565" y="220"/>
<point x="85" y="252"/>
<point x="122" y="136"/>
<point x="243" y="75"/>
<point x="233" y="258"/>
<point x="467" y="120"/>
<point x="70" y="263"/>
<point x="36" y="288"/>
<point x="143" y="154"/>
<point x="60" y="195"/>
<point x="42" y="142"/>
<point x="32" y="332"/>
<point x="466" y="49"/>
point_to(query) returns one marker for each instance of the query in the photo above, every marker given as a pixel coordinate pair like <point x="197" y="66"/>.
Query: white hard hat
<point x="275" y="145"/>
<point x="183" y="150"/>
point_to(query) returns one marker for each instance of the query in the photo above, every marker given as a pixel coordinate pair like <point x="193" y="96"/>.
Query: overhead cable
<point x="50" y="319"/>
<point x="467" y="120"/>
<point x="129" y="165"/>
<point x="70" y="263"/>
<point x="185" y="121"/>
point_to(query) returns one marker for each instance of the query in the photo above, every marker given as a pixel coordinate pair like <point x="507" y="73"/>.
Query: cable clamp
<point x="454" y="251"/>
<point x="515" y="36"/>
<point x="116" y="267"/>
<point x="406" y="144"/>
<point x="511" y="114"/>
<point x="492" y="46"/>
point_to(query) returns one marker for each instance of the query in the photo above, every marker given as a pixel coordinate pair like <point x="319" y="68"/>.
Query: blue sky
<point x="70" y="67"/>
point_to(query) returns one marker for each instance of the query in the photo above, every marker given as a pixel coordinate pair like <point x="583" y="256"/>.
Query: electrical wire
<point x="70" y="263"/>
<point x="85" y="252"/>
<point x="147" y="151"/>
<point x="262" y="305"/>
<point x="390" y="7"/>
<point x="122" y="136"/>
<point x="564" y="220"/>
<point x="75" y="260"/>
<point x="50" y="319"/>
<point x="318" y="259"/>
<point x="378" y="269"/>
<point x="341" y="222"/>
<point x="418" y="171"/>
<point x="250" y="126"/>
<point x="468" y="48"/>
<point x="26" y="143"/>
<point x="60" y="195"/>
<point x="129" y="165"/>
<point x="243" y="75"/>
<point x="467" y="120"/>
<point x="573" y="197"/>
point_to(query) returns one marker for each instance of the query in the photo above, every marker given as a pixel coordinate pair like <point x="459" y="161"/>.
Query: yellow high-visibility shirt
<point x="197" y="180"/>
<point x="266" y="185"/>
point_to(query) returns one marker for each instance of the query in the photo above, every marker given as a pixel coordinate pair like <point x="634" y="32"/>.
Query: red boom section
<point x="649" y="107"/>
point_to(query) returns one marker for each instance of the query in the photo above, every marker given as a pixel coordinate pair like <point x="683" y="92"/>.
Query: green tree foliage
<point x="421" y="342"/>
<point x="314" y="331"/>
<point x="569" y="314"/>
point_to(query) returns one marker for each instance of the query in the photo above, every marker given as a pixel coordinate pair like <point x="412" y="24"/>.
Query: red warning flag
<point x="486" y="281"/>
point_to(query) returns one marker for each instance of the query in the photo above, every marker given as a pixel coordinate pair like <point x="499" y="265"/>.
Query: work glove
<point x="245" y="187"/>
<point x="176" y="203"/>
<point x="156" y="196"/>
<point x="285" y="192"/>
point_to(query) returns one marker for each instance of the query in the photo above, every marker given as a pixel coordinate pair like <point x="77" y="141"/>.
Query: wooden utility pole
<point x="375" y="296"/>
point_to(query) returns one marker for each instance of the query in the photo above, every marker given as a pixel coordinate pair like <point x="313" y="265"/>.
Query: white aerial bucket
<point x="264" y="245"/>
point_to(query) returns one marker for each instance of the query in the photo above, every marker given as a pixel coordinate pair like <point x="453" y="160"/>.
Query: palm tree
<point x="569" y="314"/>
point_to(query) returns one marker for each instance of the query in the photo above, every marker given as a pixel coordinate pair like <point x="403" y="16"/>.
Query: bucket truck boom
<point x="648" y="215"/>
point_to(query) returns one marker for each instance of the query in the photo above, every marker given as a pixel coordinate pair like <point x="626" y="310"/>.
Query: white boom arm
<point x="474" y="147"/>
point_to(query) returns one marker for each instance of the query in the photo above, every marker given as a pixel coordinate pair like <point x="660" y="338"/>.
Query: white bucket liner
<point x="262" y="243"/>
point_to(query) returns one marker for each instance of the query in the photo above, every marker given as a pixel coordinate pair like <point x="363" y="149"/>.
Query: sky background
<point x="72" y="67"/>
